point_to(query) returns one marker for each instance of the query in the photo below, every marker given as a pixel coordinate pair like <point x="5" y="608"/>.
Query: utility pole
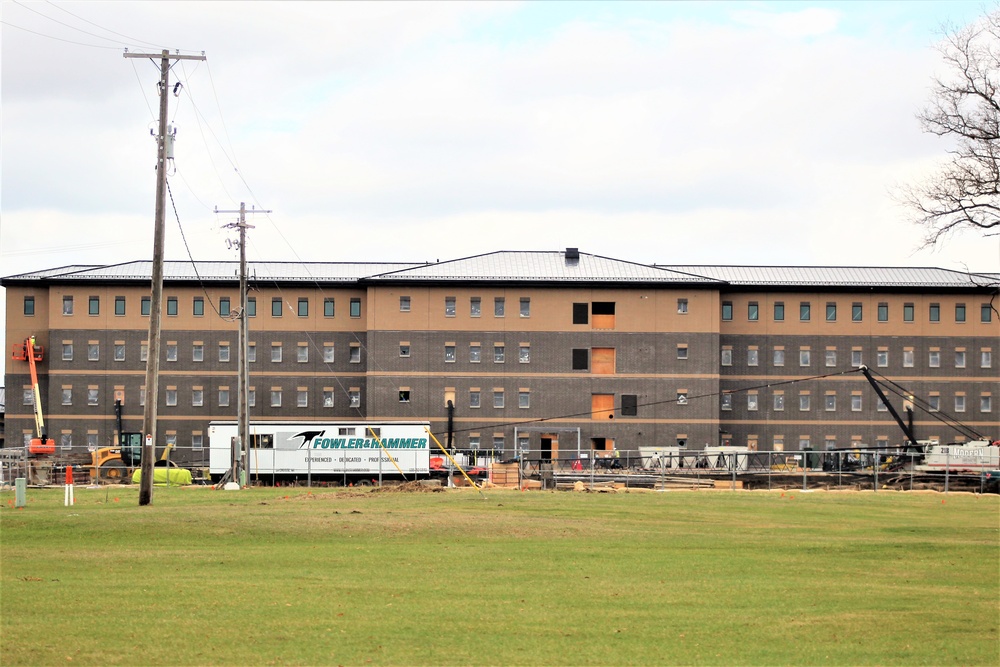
<point x="242" y="411"/>
<point x="153" y="356"/>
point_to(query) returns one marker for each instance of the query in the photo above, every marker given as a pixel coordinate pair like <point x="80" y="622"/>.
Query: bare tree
<point x="965" y="107"/>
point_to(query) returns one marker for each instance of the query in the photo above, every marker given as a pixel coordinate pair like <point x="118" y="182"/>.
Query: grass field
<point x="347" y="577"/>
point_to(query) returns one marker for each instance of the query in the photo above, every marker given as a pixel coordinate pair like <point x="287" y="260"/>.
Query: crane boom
<point x="907" y="431"/>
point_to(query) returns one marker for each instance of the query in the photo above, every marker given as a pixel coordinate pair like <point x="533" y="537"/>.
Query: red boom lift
<point x="32" y="353"/>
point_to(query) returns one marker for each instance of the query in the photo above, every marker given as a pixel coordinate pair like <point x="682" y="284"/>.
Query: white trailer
<point x="324" y="448"/>
<point x="974" y="456"/>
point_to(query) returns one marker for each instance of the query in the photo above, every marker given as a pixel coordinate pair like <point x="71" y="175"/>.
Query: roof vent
<point x="572" y="255"/>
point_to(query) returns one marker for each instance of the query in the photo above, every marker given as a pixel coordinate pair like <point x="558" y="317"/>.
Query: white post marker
<point x="68" y="493"/>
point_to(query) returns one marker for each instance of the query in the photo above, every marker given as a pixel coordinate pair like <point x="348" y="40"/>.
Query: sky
<point x="674" y="133"/>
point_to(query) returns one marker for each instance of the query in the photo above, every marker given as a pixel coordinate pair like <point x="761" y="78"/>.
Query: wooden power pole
<point x="242" y="443"/>
<point x="153" y="356"/>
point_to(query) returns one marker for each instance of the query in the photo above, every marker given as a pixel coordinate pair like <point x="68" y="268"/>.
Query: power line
<point x="85" y="32"/>
<point x="58" y="39"/>
<point x="130" y="39"/>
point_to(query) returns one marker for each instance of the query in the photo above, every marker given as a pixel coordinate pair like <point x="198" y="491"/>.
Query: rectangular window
<point x="498" y="398"/>
<point x="449" y="306"/>
<point x="959" y="312"/>
<point x="985" y="313"/>
<point x="985" y="403"/>
<point x="525" y="306"/>
<point x="857" y="312"/>
<point x="302" y="398"/>
<point x="474" y="442"/>
<point x="171" y="397"/>
<point x="224" y="352"/>
<point x="93" y="351"/>
<point x="198" y="307"/>
<point x="682" y="306"/>
<point x="328" y="353"/>
<point x="355" y="307"/>
<point x="404" y="304"/>
<point x="144" y="306"/>
<point x="171" y="351"/>
<point x="119" y="305"/>
<point x="831" y="358"/>
<point x="68" y="306"/>
<point x="855" y="402"/>
<point x="252" y="397"/>
<point x="172" y="306"/>
<point x="328" y="307"/>
<point x="727" y="311"/>
<point x="804" y="402"/>
<point x="303" y="310"/>
<point x="934" y="312"/>
<point x="630" y="405"/>
<point x="475" y="306"/>
<point x="449" y="353"/>
<point x="66" y="440"/>
<point x="475" y="353"/>
<point x="581" y="313"/>
<point x="276" y="353"/>
<point x="856" y="358"/>
<point x="907" y="312"/>
<point x="302" y="354"/>
<point x="197" y="441"/>
<point x="882" y="358"/>
<point x="779" y="311"/>
<point x="779" y="402"/>
<point x="251" y="353"/>
<point x="275" y="398"/>
<point x="276" y="306"/>
<point x="805" y="357"/>
<point x="960" y="403"/>
<point x="328" y="398"/>
<point x="28" y="397"/>
<point x="524" y="353"/>
<point x="682" y="351"/>
<point x="985" y="358"/>
<point x="934" y="403"/>
<point x="94" y="305"/>
<point x="498" y="353"/>
<point x="959" y="358"/>
<point x="355" y="354"/>
<point x="934" y="359"/>
<point x="67" y="395"/>
<point x="805" y="311"/>
<point x="119" y="351"/>
<point x="581" y="359"/>
<point x="830" y="402"/>
<point x="753" y="311"/>
<point x="498" y="306"/>
<point x="727" y="356"/>
<point x="908" y="357"/>
<point x="251" y="306"/>
<point x="224" y="307"/>
<point x="197" y="397"/>
<point x="726" y="402"/>
<point x="198" y="352"/>
<point x="523" y="399"/>
<point x="143" y="351"/>
<point x="883" y="312"/>
<point x="92" y="396"/>
<point x="752" y="357"/>
<point x="67" y="351"/>
<point x="474" y="398"/>
<point x="752" y="402"/>
<point x="831" y="312"/>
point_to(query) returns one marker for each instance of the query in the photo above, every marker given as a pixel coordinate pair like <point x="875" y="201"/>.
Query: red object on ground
<point x="69" y="474"/>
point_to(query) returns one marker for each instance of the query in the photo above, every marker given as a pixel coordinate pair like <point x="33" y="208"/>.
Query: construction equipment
<point x="28" y="351"/>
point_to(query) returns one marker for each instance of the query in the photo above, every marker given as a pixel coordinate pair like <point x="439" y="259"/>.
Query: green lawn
<point x="350" y="577"/>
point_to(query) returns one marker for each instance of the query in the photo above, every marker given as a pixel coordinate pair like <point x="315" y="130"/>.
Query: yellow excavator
<point x="117" y="463"/>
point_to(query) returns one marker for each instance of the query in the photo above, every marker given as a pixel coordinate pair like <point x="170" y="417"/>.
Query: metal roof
<point x="228" y="270"/>
<point x="846" y="276"/>
<point x="542" y="266"/>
